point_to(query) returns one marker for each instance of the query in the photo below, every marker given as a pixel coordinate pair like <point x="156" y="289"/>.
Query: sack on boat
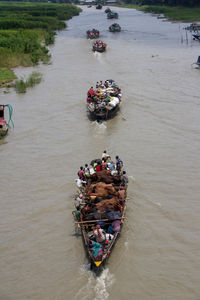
<point x="113" y="101"/>
<point x="116" y="225"/>
<point x="109" y="236"/>
<point x="110" y="229"/>
<point x="113" y="215"/>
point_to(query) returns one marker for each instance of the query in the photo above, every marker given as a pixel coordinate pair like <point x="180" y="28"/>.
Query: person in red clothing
<point x="98" y="167"/>
<point x="91" y="92"/>
<point x="81" y="174"/>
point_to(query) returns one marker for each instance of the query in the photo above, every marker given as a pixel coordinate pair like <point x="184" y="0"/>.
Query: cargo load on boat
<point x="92" y="34"/>
<point x="99" y="46"/>
<point x="104" y="100"/>
<point x="100" y="206"/>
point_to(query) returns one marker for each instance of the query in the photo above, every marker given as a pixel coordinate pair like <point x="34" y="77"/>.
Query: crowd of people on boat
<point x="101" y="195"/>
<point x="104" y="93"/>
<point x="99" y="46"/>
<point x="93" y="34"/>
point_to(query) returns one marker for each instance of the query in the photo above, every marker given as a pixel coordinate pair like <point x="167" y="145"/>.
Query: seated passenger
<point x="99" y="234"/>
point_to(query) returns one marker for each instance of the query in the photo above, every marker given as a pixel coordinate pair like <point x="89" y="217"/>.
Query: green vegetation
<point x="6" y="76"/>
<point x="189" y="3"/>
<point x="184" y="14"/>
<point x="26" y="29"/>
<point x="21" y="85"/>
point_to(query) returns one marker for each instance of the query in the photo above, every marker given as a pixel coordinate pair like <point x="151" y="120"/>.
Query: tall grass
<point x="22" y="85"/>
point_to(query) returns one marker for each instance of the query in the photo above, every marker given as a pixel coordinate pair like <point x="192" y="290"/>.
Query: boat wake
<point x="98" y="55"/>
<point x="96" y="288"/>
<point x="103" y="282"/>
<point x="99" y="127"/>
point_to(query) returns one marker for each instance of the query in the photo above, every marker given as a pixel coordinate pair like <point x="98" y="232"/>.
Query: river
<point x="156" y="134"/>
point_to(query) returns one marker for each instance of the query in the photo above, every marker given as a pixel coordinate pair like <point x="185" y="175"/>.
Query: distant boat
<point x="115" y="28"/>
<point x="107" y="10"/>
<point x="193" y="27"/>
<point x="104" y="102"/>
<point x="112" y="15"/>
<point x="197" y="63"/>
<point x="99" y="46"/>
<point x="92" y="34"/>
<point x="4" y="125"/>
<point x="196" y="36"/>
<point x="99" y="6"/>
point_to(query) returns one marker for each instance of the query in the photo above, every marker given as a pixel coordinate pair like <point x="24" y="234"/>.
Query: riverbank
<point x="183" y="14"/>
<point x="26" y="29"/>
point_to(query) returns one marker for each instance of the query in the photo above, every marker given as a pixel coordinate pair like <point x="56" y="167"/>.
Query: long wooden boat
<point x="101" y="216"/>
<point x="4" y="126"/>
<point x="105" y="101"/>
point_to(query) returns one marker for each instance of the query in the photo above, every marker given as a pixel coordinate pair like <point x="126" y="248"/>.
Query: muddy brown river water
<point x="156" y="134"/>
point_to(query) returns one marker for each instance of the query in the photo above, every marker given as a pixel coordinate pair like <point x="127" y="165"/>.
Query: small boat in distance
<point x="99" y="46"/>
<point x="196" y="36"/>
<point x="92" y="34"/>
<point x="197" y="63"/>
<point x="4" y="126"/>
<point x="107" y="10"/>
<point x="100" y="207"/>
<point x="99" y="6"/>
<point x="112" y="15"/>
<point x="104" y="101"/>
<point x="115" y="28"/>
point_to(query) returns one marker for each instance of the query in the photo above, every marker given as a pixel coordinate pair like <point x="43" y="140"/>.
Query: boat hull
<point x="104" y="114"/>
<point x="3" y="132"/>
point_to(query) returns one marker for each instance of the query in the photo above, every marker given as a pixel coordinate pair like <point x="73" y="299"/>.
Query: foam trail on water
<point x="105" y="280"/>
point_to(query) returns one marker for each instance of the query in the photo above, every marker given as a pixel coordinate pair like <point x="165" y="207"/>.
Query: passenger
<point x="81" y="174"/>
<point x="119" y="164"/>
<point x="99" y="234"/>
<point x="105" y="155"/>
<point x="112" y="166"/>
<point x="98" y="167"/>
<point x="87" y="171"/>
<point x="96" y="248"/>
<point x="97" y="84"/>
<point x="104" y="164"/>
<point x="78" y="213"/>
<point x="91" y="92"/>
<point x="79" y="199"/>
<point x="124" y="178"/>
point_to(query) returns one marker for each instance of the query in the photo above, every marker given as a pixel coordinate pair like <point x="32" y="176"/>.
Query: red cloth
<point x="98" y="168"/>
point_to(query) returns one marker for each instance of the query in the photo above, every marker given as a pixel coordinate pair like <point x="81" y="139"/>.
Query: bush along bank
<point x="175" y="13"/>
<point x="26" y="29"/>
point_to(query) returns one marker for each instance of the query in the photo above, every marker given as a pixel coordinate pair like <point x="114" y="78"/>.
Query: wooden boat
<point x="99" y="219"/>
<point x="197" y="63"/>
<point x="104" y="102"/>
<point x="115" y="28"/>
<point x="92" y="34"/>
<point x="107" y="10"/>
<point x="4" y="126"/>
<point x="99" y="6"/>
<point x="196" y="36"/>
<point x="112" y="15"/>
<point x="99" y="46"/>
<point x="193" y="27"/>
